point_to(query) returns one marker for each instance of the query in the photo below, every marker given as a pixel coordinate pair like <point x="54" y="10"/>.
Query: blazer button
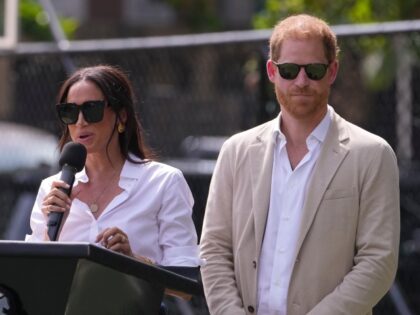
<point x="251" y="309"/>
<point x="254" y="264"/>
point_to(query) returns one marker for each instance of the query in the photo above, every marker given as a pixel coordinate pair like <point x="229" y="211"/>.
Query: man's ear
<point x="333" y="71"/>
<point x="271" y="70"/>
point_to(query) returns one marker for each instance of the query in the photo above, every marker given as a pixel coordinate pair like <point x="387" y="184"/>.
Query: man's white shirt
<point x="288" y="192"/>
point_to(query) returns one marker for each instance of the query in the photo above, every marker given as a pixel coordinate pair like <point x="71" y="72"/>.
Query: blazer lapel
<point x="330" y="158"/>
<point x="261" y="163"/>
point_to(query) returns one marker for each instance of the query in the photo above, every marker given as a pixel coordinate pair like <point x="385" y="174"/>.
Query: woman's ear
<point x="122" y="116"/>
<point x="121" y="121"/>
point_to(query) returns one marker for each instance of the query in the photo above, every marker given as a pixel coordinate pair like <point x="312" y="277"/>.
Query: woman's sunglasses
<point x="93" y="112"/>
<point x="314" y="71"/>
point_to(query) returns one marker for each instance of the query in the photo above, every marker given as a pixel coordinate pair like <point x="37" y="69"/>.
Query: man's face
<point x="302" y="97"/>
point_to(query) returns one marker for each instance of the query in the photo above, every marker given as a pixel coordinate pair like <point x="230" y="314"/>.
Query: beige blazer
<point x="347" y="251"/>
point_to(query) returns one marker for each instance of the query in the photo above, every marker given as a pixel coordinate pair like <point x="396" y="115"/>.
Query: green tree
<point x="197" y="15"/>
<point x="34" y="22"/>
<point x="339" y="12"/>
<point x="377" y="53"/>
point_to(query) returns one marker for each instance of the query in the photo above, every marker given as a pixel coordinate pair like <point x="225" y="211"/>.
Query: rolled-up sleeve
<point x="177" y="234"/>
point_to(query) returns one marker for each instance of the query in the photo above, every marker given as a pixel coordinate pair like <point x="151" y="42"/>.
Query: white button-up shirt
<point x="288" y="192"/>
<point x="154" y="210"/>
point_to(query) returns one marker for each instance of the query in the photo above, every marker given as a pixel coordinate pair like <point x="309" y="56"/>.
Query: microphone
<point x="72" y="160"/>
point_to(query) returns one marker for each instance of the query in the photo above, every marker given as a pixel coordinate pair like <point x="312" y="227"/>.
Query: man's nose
<point x="302" y="78"/>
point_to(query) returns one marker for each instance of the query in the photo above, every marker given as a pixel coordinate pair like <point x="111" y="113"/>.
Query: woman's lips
<point x="85" y="137"/>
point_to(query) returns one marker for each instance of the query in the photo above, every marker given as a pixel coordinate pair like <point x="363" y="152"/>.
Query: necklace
<point x="94" y="207"/>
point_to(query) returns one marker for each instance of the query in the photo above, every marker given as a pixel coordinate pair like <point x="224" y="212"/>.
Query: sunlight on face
<point x="94" y="136"/>
<point x="303" y="97"/>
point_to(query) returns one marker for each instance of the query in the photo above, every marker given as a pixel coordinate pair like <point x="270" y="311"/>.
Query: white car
<point x="27" y="155"/>
<point x="24" y="146"/>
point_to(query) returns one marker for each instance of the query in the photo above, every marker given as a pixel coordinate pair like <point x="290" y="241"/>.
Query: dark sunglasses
<point x="93" y="112"/>
<point x="314" y="71"/>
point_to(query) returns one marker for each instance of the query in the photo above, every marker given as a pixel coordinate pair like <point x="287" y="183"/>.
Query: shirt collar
<point x="277" y="134"/>
<point x="129" y="172"/>
<point x="319" y="133"/>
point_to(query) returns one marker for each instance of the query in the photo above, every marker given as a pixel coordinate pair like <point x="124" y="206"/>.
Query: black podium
<point x="81" y="278"/>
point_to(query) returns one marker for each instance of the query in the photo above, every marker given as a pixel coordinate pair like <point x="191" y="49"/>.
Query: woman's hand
<point x="56" y="200"/>
<point x="116" y="240"/>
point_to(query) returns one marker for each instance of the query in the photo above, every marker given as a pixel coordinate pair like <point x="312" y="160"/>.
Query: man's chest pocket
<point x="339" y="193"/>
<point x="338" y="209"/>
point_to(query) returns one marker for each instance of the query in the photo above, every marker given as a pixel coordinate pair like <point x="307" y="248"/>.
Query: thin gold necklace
<point x="94" y="207"/>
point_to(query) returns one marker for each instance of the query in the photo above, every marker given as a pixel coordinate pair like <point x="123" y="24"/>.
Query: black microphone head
<point x="74" y="155"/>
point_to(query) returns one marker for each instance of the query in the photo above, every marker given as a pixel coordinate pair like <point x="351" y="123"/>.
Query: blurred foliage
<point x="376" y="53"/>
<point x="198" y="15"/>
<point x="34" y="22"/>
<point x="338" y="12"/>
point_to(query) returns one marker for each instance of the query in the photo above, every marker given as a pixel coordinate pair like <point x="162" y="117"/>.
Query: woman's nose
<point x="80" y="119"/>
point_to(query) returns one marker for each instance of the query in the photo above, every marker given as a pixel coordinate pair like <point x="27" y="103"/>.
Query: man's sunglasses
<point x="314" y="71"/>
<point x="93" y="112"/>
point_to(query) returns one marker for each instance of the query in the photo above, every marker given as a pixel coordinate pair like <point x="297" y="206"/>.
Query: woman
<point x="121" y="199"/>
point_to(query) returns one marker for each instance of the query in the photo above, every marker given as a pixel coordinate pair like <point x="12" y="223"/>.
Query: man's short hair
<point x="303" y="26"/>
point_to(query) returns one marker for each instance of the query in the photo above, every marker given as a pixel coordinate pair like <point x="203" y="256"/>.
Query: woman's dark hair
<point x="119" y="95"/>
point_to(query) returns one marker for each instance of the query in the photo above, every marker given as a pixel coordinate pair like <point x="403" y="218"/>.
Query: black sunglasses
<point x="93" y="112"/>
<point x="314" y="71"/>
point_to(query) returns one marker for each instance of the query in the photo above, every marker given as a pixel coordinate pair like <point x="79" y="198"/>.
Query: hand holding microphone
<point x="72" y="160"/>
<point x="56" y="200"/>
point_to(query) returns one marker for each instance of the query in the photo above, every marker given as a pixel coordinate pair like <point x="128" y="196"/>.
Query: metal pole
<point x="398" y="300"/>
<point x="404" y="100"/>
<point x="58" y="35"/>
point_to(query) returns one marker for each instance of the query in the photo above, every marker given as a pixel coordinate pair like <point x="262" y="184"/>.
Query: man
<point x="303" y="211"/>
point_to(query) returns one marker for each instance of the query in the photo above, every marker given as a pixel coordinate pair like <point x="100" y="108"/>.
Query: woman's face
<point x="94" y="136"/>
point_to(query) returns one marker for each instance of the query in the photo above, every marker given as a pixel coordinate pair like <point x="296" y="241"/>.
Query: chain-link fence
<point x="206" y="87"/>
